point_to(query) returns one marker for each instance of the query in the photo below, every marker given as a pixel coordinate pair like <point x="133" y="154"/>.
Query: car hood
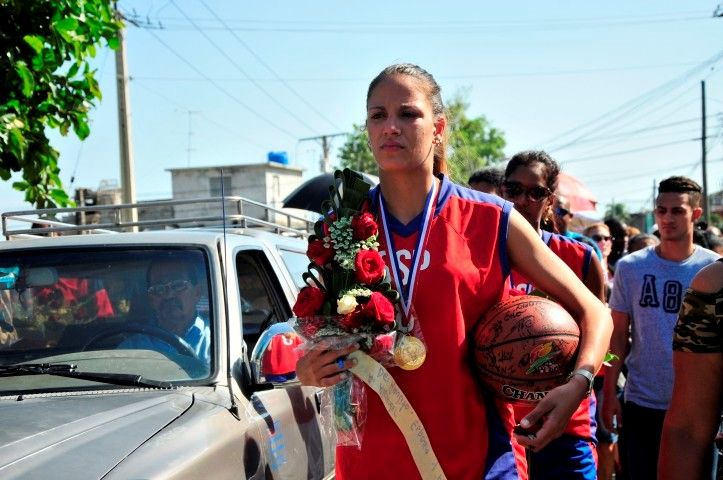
<point x="80" y="436"/>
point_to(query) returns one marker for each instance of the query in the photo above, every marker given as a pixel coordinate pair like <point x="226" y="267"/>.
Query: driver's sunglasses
<point x="533" y="194"/>
<point x="163" y="289"/>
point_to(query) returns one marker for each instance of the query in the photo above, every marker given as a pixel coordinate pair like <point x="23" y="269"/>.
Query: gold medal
<point x="409" y="353"/>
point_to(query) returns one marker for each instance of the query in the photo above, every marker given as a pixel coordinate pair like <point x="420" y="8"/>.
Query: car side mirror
<point x="275" y="354"/>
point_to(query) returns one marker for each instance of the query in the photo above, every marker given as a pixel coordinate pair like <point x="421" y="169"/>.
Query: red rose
<point x="309" y="301"/>
<point x="380" y="309"/>
<point x="383" y="345"/>
<point x="352" y="320"/>
<point x="364" y="226"/>
<point x="318" y="253"/>
<point x="369" y="266"/>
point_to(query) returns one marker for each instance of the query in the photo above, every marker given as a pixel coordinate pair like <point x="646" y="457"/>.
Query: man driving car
<point x="174" y="290"/>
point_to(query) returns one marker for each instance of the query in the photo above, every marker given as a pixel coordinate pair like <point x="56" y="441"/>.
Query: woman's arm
<point x="595" y="278"/>
<point x="531" y="257"/>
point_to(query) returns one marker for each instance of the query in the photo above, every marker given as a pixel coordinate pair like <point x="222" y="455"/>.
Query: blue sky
<point x="611" y="89"/>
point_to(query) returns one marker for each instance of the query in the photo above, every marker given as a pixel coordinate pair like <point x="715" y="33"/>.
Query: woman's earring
<point x="436" y="141"/>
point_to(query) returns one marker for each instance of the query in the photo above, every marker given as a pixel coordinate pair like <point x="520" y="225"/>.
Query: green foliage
<point x="472" y="144"/>
<point x="716" y="220"/>
<point x="356" y="154"/>
<point x="46" y="82"/>
<point x="619" y="211"/>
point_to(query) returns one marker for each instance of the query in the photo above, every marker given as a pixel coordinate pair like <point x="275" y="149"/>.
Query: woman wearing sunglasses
<point x="600" y="233"/>
<point x="530" y="180"/>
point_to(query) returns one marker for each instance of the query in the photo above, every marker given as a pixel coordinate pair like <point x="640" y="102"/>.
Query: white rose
<point x="346" y="304"/>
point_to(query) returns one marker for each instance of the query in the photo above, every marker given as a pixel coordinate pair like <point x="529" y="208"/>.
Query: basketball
<point x="524" y="347"/>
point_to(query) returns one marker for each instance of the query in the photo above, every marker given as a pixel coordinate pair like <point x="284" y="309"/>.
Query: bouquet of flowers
<point x="347" y="298"/>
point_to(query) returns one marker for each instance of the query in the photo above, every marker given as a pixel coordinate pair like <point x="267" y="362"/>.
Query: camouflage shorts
<point x="700" y="323"/>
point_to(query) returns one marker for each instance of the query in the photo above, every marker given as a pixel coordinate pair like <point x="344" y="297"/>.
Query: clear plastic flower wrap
<point x="347" y="399"/>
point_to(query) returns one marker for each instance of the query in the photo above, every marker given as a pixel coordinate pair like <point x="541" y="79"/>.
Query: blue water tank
<point x="279" y="157"/>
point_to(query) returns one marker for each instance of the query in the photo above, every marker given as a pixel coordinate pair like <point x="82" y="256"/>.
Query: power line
<point x="631" y="175"/>
<point x="459" y="21"/>
<point x="541" y="73"/>
<point x="235" y="133"/>
<point x="219" y="87"/>
<point x="632" y="133"/>
<point x="243" y="72"/>
<point x="629" y="106"/>
<point x="633" y="150"/>
<point x="275" y="75"/>
<point x="440" y="28"/>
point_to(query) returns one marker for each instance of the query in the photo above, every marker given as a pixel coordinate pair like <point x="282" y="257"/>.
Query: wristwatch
<point x="588" y="376"/>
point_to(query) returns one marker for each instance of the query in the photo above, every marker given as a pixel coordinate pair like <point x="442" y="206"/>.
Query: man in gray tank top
<point x="648" y="290"/>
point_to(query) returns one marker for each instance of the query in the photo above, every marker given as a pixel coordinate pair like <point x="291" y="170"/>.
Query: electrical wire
<point x="440" y="28"/>
<point x="612" y="116"/>
<point x="235" y="133"/>
<point x="271" y="70"/>
<point x="632" y="150"/>
<point x="220" y="88"/>
<point x="243" y="72"/>
<point x="541" y="73"/>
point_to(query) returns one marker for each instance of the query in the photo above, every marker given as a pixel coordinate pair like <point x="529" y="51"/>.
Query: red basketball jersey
<point x="577" y="256"/>
<point x="462" y="273"/>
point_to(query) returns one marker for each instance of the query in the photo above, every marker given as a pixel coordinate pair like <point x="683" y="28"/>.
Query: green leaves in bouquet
<point x="344" y="254"/>
<point x="348" y="198"/>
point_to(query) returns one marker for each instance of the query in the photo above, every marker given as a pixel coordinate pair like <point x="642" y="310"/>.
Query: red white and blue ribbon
<point x="408" y="294"/>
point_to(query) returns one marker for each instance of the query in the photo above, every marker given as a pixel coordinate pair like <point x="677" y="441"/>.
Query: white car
<point x="98" y="381"/>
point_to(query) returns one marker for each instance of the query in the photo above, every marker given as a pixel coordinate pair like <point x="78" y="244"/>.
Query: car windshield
<point x="141" y="312"/>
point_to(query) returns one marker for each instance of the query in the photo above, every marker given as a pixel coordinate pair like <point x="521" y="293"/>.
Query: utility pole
<point x="128" y="185"/>
<point x="706" y="209"/>
<point x="325" y="163"/>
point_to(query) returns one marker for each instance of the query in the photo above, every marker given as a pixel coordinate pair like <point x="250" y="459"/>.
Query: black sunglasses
<point x="600" y="238"/>
<point x="561" y="212"/>
<point x="533" y="194"/>
<point x="163" y="289"/>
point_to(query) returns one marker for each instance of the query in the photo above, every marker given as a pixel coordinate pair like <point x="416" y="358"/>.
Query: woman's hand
<point x="552" y="413"/>
<point x="321" y="367"/>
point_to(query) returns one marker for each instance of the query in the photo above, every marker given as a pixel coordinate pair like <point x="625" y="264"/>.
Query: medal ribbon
<point x="400" y="410"/>
<point x="408" y="294"/>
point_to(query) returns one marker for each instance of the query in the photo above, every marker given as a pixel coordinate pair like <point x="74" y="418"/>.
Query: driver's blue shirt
<point x="197" y="336"/>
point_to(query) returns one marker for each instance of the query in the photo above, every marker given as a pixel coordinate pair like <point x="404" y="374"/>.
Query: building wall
<point x="265" y="183"/>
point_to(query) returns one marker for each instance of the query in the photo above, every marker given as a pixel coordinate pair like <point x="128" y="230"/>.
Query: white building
<point x="268" y="183"/>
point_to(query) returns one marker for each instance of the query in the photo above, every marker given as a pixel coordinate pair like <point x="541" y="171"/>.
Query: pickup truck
<point x="155" y="354"/>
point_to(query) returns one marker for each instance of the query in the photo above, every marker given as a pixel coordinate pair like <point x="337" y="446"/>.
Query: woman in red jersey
<point x="451" y="250"/>
<point x="530" y="180"/>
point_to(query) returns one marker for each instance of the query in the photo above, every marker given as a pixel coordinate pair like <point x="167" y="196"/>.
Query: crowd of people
<point x="511" y="230"/>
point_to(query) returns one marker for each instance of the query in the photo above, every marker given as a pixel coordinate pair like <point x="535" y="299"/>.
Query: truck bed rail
<point x="271" y="219"/>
